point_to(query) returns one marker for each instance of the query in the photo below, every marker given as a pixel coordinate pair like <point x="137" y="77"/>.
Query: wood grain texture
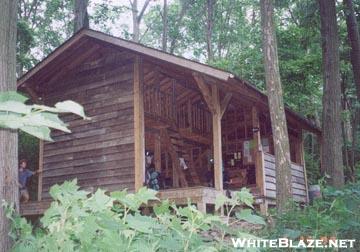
<point x="139" y="127"/>
<point x="98" y="152"/>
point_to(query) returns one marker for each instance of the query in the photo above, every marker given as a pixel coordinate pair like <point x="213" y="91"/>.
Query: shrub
<point x="79" y="221"/>
<point x="336" y="214"/>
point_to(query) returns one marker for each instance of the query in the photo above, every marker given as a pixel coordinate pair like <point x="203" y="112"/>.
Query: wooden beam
<point x="302" y="162"/>
<point x="157" y="152"/>
<point x="225" y="103"/>
<point x="258" y="152"/>
<point x="205" y="91"/>
<point x="139" y="128"/>
<point x="217" y="148"/>
<point x="41" y="168"/>
<point x="189" y="114"/>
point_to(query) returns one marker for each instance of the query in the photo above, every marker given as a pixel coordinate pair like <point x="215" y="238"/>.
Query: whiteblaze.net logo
<point x="288" y="243"/>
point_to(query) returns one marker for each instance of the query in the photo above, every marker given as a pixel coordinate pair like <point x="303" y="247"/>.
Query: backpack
<point x="152" y="178"/>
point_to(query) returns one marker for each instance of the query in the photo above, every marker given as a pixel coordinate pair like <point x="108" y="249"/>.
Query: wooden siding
<point x="98" y="152"/>
<point x="298" y="179"/>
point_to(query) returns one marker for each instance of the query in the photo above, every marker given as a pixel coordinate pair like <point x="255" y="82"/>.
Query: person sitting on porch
<point x="24" y="175"/>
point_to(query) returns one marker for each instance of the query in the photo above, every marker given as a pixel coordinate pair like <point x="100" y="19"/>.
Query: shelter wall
<point x="99" y="152"/>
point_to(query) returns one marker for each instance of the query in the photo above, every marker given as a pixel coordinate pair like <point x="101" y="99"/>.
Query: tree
<point x="354" y="39"/>
<point x="137" y="17"/>
<point x="276" y="104"/>
<point x="41" y="27"/>
<point x="165" y="26"/>
<point x="81" y="19"/>
<point x="210" y="4"/>
<point x="332" y="158"/>
<point x="9" y="190"/>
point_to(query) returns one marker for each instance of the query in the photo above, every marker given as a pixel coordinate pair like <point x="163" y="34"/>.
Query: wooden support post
<point x="167" y="164"/>
<point x="258" y="152"/>
<point x="264" y="206"/>
<point x="189" y="115"/>
<point x="218" y="173"/>
<point x="41" y="165"/>
<point x="212" y="100"/>
<point x="302" y="162"/>
<point x="201" y="206"/>
<point x="157" y="152"/>
<point x="139" y="129"/>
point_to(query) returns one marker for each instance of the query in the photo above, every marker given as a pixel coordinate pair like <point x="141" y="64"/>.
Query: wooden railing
<point x="159" y="104"/>
<point x="299" y="188"/>
<point x="194" y="117"/>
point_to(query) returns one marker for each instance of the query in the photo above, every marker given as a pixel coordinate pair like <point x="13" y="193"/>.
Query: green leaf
<point x="40" y="132"/>
<point x="71" y="107"/>
<point x="140" y="223"/>
<point x="11" y="120"/>
<point x="244" y="196"/>
<point x="46" y="119"/>
<point x="15" y="106"/>
<point x="99" y="201"/>
<point x="12" y="96"/>
<point x="145" y="194"/>
<point x="246" y="215"/>
<point x="163" y="208"/>
<point x="220" y="201"/>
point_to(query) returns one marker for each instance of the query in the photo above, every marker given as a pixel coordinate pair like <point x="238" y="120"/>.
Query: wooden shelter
<point x="143" y="100"/>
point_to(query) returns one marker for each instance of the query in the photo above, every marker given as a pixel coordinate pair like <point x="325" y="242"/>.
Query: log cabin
<point x="142" y="100"/>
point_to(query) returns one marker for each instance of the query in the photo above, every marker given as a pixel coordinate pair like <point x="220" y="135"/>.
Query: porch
<point x="204" y="197"/>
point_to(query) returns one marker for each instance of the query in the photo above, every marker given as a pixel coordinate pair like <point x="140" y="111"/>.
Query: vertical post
<point x="41" y="165"/>
<point x="216" y="122"/>
<point x="189" y="114"/>
<point x="157" y="152"/>
<point x="258" y="155"/>
<point x="320" y="142"/>
<point x="302" y="162"/>
<point x="139" y="128"/>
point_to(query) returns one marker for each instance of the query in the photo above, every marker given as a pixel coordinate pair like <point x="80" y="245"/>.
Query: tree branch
<point x="139" y="17"/>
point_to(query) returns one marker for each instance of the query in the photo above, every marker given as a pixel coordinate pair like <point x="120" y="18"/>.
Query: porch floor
<point x="199" y="195"/>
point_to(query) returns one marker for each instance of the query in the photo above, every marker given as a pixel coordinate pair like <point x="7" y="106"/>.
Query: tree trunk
<point x="184" y="7"/>
<point x="331" y="158"/>
<point x="81" y="19"/>
<point x="137" y="17"/>
<point x="209" y="28"/>
<point x="165" y="27"/>
<point x="354" y="38"/>
<point x="9" y="190"/>
<point x="345" y="127"/>
<point x="276" y="105"/>
<point x="355" y="123"/>
<point x="136" y="25"/>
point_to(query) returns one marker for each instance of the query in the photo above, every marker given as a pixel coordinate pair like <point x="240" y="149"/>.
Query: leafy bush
<point x="336" y="214"/>
<point x="79" y="221"/>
